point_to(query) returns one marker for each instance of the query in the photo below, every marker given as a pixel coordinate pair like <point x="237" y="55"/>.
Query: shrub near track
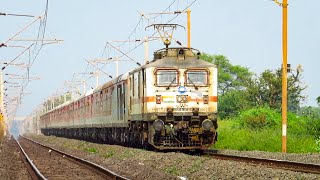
<point x="258" y="118"/>
<point x="260" y="129"/>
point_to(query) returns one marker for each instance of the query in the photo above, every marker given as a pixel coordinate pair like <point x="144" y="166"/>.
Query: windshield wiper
<point x="171" y="83"/>
<point x="195" y="87"/>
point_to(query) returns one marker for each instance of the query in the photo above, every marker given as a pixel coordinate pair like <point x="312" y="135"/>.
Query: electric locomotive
<point x="168" y="103"/>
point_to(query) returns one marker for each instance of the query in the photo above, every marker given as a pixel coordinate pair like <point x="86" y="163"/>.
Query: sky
<point x="248" y="32"/>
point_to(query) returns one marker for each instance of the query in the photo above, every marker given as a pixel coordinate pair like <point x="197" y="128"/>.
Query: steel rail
<point x="95" y="166"/>
<point x="272" y="163"/>
<point x="29" y="161"/>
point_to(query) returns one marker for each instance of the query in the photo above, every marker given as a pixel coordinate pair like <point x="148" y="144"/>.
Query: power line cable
<point x="44" y="31"/>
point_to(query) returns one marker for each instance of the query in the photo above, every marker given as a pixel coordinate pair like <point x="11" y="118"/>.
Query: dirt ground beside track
<point x="11" y="165"/>
<point x="140" y="164"/>
<point x="121" y="160"/>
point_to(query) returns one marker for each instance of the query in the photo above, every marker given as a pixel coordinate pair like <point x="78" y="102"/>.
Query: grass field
<point x="231" y="136"/>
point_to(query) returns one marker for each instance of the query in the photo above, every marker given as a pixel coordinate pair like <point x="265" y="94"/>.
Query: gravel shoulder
<point x="312" y="158"/>
<point x="11" y="165"/>
<point x="54" y="166"/>
<point x="141" y="164"/>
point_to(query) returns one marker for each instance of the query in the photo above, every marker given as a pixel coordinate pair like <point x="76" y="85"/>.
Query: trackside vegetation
<point x="260" y="129"/>
<point x="250" y="110"/>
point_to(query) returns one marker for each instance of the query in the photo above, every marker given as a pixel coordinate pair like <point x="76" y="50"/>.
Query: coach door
<point x="120" y="101"/>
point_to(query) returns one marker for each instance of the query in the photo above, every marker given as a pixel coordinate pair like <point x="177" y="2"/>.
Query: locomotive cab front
<point x="185" y="91"/>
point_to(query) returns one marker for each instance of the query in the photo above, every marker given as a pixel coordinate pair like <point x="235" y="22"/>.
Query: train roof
<point x="89" y="92"/>
<point x="59" y="106"/>
<point x="176" y="57"/>
<point x="179" y="57"/>
<point x="120" y="78"/>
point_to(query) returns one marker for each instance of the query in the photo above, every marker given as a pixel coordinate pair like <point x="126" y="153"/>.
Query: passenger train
<point x="169" y="103"/>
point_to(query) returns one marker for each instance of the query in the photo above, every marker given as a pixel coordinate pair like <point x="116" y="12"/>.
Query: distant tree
<point x="267" y="89"/>
<point x="232" y="103"/>
<point x="239" y="89"/>
<point x="295" y="89"/>
<point x="318" y="100"/>
<point x="232" y="82"/>
<point x="68" y="96"/>
<point x="230" y="77"/>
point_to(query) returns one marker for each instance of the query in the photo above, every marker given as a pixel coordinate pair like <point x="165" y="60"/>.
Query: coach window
<point x="167" y="77"/>
<point x="197" y="77"/>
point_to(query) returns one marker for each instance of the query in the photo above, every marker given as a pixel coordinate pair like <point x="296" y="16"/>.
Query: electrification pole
<point x="84" y="87"/>
<point x="146" y="50"/>
<point x="97" y="79"/>
<point x="284" y="104"/>
<point x="189" y="27"/>
<point x="284" y="74"/>
<point x="2" y="111"/>
<point x="116" y="59"/>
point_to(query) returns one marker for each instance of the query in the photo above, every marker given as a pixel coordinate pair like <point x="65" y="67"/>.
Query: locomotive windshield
<point x="167" y="77"/>
<point x="198" y="78"/>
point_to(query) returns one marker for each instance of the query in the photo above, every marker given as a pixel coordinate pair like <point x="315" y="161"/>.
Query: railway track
<point x="50" y="163"/>
<point x="273" y="163"/>
<point x="32" y="169"/>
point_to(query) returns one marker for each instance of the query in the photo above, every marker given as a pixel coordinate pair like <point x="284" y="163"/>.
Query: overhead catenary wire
<point x="19" y="15"/>
<point x="137" y="44"/>
<point x="23" y="29"/>
<point x="45" y="16"/>
<point x="140" y="21"/>
<point x="184" y="10"/>
<point x="124" y="54"/>
<point x="32" y="55"/>
<point x="166" y="9"/>
<point x="100" y="69"/>
<point x="17" y="56"/>
<point x="135" y="28"/>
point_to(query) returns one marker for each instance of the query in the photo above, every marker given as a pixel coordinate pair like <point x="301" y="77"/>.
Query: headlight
<point x="158" y="99"/>
<point x="158" y="125"/>
<point x="207" y="124"/>
<point x="205" y="99"/>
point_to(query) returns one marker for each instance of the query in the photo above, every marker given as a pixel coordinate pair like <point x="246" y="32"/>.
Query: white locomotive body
<point x="169" y="103"/>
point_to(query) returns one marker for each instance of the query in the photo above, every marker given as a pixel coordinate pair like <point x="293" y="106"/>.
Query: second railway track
<point x="54" y="164"/>
<point x="272" y="163"/>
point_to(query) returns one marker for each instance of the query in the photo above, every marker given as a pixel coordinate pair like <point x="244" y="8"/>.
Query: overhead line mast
<point x="146" y="39"/>
<point x="284" y="6"/>
<point x="284" y="75"/>
<point x="189" y="27"/>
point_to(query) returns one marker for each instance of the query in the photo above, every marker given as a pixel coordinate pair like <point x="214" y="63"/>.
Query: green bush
<point x="318" y="144"/>
<point x="260" y="129"/>
<point x="109" y="154"/>
<point x="230" y="103"/>
<point x="257" y="118"/>
<point x="313" y="126"/>
<point x="231" y="136"/>
<point x="311" y="116"/>
<point x="91" y="150"/>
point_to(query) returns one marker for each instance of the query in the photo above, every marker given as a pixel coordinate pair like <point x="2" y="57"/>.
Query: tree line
<point x="240" y="89"/>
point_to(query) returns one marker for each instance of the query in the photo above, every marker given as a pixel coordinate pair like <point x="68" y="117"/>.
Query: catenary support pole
<point x="284" y="74"/>
<point x="189" y="27"/>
